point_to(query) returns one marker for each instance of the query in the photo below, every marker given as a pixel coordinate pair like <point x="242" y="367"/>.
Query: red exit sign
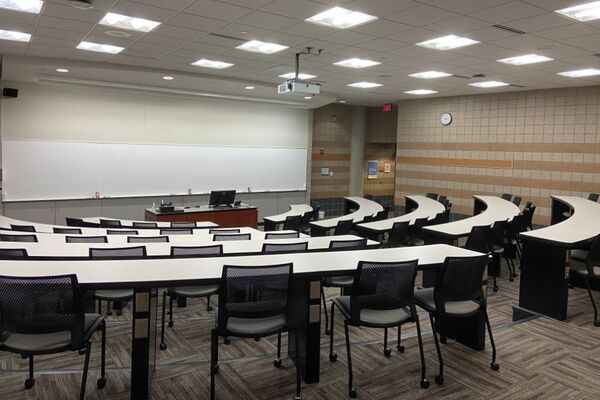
<point x="387" y="107"/>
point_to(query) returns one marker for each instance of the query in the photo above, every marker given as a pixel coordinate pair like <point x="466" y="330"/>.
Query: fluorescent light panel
<point x="526" y="59"/>
<point x="365" y="85"/>
<point x="292" y="75"/>
<point x="131" y="23"/>
<point x="100" y="48"/>
<point x="580" y="73"/>
<point x="356" y="63"/>
<point x="342" y="18"/>
<point x="203" y="62"/>
<point x="30" y="6"/>
<point x="14" y="36"/>
<point x="489" y="84"/>
<point x="430" y="75"/>
<point x="256" y="46"/>
<point x="420" y="91"/>
<point x="447" y="42"/>
<point x="582" y="12"/>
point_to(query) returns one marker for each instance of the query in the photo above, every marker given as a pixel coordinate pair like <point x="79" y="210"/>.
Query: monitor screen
<point x="221" y="198"/>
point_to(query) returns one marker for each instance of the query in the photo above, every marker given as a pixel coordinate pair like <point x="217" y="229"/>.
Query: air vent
<point x="228" y="37"/>
<point x="509" y="29"/>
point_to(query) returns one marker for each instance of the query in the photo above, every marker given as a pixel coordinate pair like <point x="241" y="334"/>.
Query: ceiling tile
<point x="457" y="25"/>
<point x="382" y="28"/>
<point x="348" y="37"/>
<point x="139" y="10"/>
<point x="64" y="11"/>
<point x="421" y="15"/>
<point x="508" y="12"/>
<point x="196" y="22"/>
<point x="380" y="8"/>
<point x="178" y="32"/>
<point x="266" y="21"/>
<point x="170" y="4"/>
<point x="309" y="30"/>
<point x="567" y="32"/>
<point x="299" y="9"/>
<point x="217" y="10"/>
<point x="540" y="22"/>
<point x="64" y="24"/>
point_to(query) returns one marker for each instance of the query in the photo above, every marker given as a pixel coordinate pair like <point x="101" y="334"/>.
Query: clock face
<point x="446" y="118"/>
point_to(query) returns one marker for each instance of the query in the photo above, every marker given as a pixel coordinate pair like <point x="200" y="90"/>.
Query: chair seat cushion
<point x="256" y="326"/>
<point x="498" y="249"/>
<point x="579" y="255"/>
<point x="339" y="281"/>
<point x="424" y="297"/>
<point x="418" y="242"/>
<point x="43" y="342"/>
<point x="113" y="294"/>
<point x="194" y="291"/>
<point x="375" y="317"/>
<point x="580" y="268"/>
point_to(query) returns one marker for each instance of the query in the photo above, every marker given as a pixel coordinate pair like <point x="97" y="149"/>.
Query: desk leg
<point x="544" y="279"/>
<point x="143" y="346"/>
<point x="467" y="331"/>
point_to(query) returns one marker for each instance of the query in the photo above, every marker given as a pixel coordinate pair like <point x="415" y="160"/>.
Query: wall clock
<point x="446" y="118"/>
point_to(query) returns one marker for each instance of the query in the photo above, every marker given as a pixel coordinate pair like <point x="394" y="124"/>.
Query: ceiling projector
<point x="297" y="86"/>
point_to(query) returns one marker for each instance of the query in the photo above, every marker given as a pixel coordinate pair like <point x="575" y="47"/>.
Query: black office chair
<point x="68" y="231"/>
<point x="44" y="315"/>
<point x="176" y="231"/>
<point x="382" y="297"/>
<point x="415" y="231"/>
<point x="122" y="232"/>
<point x="305" y="222"/>
<point x="457" y="294"/>
<point x="145" y="225"/>
<point x="343" y="227"/>
<point x="528" y="214"/>
<point x="517" y="200"/>
<point x="231" y="237"/>
<point x="398" y="236"/>
<point x="86" y="239"/>
<point x="282" y="235"/>
<point x="281" y="248"/>
<point x="222" y="230"/>
<point x="498" y="234"/>
<point x="147" y="239"/>
<point x="368" y="218"/>
<point x="253" y="303"/>
<point x="13" y="254"/>
<point x="341" y="282"/>
<point x="516" y="226"/>
<point x="76" y="222"/>
<point x="22" y="228"/>
<point x="441" y="199"/>
<point x="183" y="224"/>
<point x="593" y="197"/>
<point x="589" y="270"/>
<point x="381" y="215"/>
<point x="110" y="223"/>
<point x="18" y="238"/>
<point x="433" y="196"/>
<point x="292" y="223"/>
<point x="188" y="291"/>
<point x="480" y="239"/>
<point x="506" y="196"/>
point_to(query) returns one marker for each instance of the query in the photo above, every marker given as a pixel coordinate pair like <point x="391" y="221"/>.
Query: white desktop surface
<point x="129" y="223"/>
<point x="295" y="210"/>
<point x="426" y="208"/>
<point x="365" y="208"/>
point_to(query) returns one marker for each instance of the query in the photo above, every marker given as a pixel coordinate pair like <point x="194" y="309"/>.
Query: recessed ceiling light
<point x="580" y="73"/>
<point x="430" y="75"/>
<point x="256" y="46"/>
<point x="342" y="18"/>
<point x="356" y="63"/>
<point x="168" y="78"/>
<point x="365" y="85"/>
<point x="244" y="32"/>
<point x="203" y="62"/>
<point x="292" y="75"/>
<point x="15" y="36"/>
<point x="307" y="97"/>
<point x="118" y="34"/>
<point x="526" y="59"/>
<point x="343" y="101"/>
<point x="582" y="12"/>
<point x="62" y="70"/>
<point x="489" y="84"/>
<point x="420" y="91"/>
<point x="126" y="22"/>
<point x="100" y="48"/>
<point x="447" y="42"/>
<point x="249" y="88"/>
<point x="30" y="6"/>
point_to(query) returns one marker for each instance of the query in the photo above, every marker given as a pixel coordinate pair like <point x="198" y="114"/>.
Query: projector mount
<point x="308" y="50"/>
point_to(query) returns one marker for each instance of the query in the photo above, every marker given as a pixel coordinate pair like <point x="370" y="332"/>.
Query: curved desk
<point x="545" y="261"/>
<point x="128" y="224"/>
<point x="295" y="210"/>
<point x="365" y="208"/>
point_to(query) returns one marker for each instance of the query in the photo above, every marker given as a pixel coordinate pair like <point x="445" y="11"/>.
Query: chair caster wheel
<point x="511" y="279"/>
<point x="326" y="332"/>
<point x="439" y="380"/>
<point x="401" y="349"/>
<point x="227" y="341"/>
<point x="495" y="366"/>
<point x="163" y="346"/>
<point x="209" y="308"/>
<point x="277" y="363"/>
<point x="495" y="288"/>
<point x="333" y="357"/>
<point x="101" y="383"/>
<point x="596" y="323"/>
<point x="170" y="324"/>
<point x="387" y="352"/>
<point x="29" y="382"/>
<point x="424" y="383"/>
<point x="352" y="393"/>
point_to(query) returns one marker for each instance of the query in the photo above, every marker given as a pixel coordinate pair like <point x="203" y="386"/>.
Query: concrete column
<point x="357" y="151"/>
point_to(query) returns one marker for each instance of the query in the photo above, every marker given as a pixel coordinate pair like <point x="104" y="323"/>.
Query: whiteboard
<point x="52" y="170"/>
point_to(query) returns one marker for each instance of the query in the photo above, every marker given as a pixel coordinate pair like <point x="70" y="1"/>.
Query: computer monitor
<point x="221" y="198"/>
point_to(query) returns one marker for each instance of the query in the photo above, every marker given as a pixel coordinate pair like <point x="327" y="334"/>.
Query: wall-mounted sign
<point x="387" y="167"/>
<point x="324" y="171"/>
<point x="372" y="169"/>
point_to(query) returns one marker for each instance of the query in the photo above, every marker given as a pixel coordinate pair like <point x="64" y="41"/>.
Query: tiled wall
<point x="380" y="145"/>
<point x="531" y="143"/>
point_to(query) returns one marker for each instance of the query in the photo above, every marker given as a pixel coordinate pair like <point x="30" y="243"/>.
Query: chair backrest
<point x="253" y="292"/>
<point x="432" y="195"/>
<point x="480" y="239"/>
<point x="69" y="231"/>
<point x="382" y="286"/>
<point x="86" y="239"/>
<point x="183" y="224"/>
<point x="398" y="234"/>
<point x="517" y="225"/>
<point x="176" y="231"/>
<point x="592" y="261"/>
<point x="278" y="248"/>
<point x="18" y="238"/>
<point x="343" y="227"/>
<point x="442" y="198"/>
<point x="593" y="196"/>
<point x="439" y="218"/>
<point x="415" y="229"/>
<point x="506" y="196"/>
<point x="118" y="252"/>
<point x="145" y="225"/>
<point x="122" y="232"/>
<point x="381" y="215"/>
<point x="38" y="305"/>
<point x="499" y="232"/>
<point x="230" y="237"/>
<point x="147" y="239"/>
<point x="13" y="254"/>
<point x="368" y="218"/>
<point x="460" y="279"/>
<point x="75" y="222"/>
<point x="306" y="218"/>
<point x="22" y="228"/>
<point x="517" y="200"/>
<point x="221" y="230"/>
<point x="215" y="250"/>
<point x="354" y="244"/>
<point x="282" y="235"/>
<point x="528" y="214"/>
<point x="110" y="223"/>
<point x="292" y="223"/>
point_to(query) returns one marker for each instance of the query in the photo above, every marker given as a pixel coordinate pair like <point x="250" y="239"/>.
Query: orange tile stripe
<point x="456" y="162"/>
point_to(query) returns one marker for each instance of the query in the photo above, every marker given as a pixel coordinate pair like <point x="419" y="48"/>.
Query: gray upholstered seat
<point x="425" y="297"/>
<point x="339" y="281"/>
<point x="579" y="255"/>
<point x="255" y="326"/>
<point x="580" y="268"/>
<point x="194" y="291"/>
<point x="113" y="294"/>
<point x="375" y="317"/>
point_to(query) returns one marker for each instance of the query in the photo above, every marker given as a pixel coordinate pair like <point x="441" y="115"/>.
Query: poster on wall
<point x="372" y="169"/>
<point x="387" y="167"/>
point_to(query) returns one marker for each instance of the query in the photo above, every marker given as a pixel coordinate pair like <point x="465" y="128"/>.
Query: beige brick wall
<point x="381" y="131"/>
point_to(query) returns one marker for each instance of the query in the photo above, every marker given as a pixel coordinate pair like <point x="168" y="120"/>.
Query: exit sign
<point x="387" y="107"/>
